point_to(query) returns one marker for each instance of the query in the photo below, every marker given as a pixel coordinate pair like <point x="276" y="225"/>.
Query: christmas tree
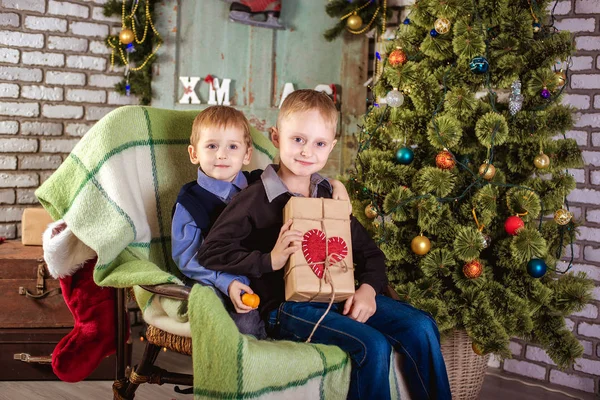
<point x="457" y="170"/>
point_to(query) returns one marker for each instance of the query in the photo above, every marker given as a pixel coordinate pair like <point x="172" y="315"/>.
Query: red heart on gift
<point x="313" y="248"/>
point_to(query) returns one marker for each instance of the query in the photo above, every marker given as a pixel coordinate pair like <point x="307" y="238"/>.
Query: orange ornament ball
<point x="251" y="300"/>
<point x="444" y="160"/>
<point x="473" y="269"/>
<point x="476" y="349"/>
<point x="397" y="57"/>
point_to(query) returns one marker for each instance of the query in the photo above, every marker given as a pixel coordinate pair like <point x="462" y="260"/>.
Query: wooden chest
<point x="33" y="316"/>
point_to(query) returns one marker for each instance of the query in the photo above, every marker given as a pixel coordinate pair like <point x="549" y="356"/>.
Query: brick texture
<point x="55" y="82"/>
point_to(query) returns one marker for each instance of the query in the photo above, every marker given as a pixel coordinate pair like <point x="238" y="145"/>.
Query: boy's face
<point x="221" y="152"/>
<point x="305" y="141"/>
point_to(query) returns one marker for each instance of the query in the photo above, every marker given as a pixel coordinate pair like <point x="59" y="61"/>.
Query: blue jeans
<point x="394" y="325"/>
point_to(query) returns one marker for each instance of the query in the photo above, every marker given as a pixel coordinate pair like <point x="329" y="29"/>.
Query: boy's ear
<point x="274" y="134"/>
<point x="193" y="155"/>
<point x="248" y="156"/>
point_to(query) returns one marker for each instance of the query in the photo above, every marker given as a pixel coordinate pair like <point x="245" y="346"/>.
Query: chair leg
<point x="126" y="390"/>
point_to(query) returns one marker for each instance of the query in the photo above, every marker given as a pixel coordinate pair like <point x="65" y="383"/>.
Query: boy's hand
<point x="340" y="192"/>
<point x="362" y="305"/>
<point x="235" y="294"/>
<point x="287" y="244"/>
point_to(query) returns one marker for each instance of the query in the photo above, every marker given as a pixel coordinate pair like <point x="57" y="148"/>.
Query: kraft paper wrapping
<point x="332" y="218"/>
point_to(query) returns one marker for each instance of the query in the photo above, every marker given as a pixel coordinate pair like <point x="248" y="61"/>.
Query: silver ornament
<point x="486" y="240"/>
<point x="394" y="98"/>
<point x="515" y="101"/>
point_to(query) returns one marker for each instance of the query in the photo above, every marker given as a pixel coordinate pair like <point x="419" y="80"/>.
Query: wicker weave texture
<point x="466" y="369"/>
<point x="178" y="344"/>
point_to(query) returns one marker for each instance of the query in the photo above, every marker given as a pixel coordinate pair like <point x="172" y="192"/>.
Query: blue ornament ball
<point x="405" y="155"/>
<point x="479" y="65"/>
<point x="406" y="21"/>
<point x="536" y="267"/>
<point x="434" y="33"/>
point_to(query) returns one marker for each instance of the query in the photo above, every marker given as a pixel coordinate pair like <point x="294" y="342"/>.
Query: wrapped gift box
<point x="33" y="224"/>
<point x="325" y="224"/>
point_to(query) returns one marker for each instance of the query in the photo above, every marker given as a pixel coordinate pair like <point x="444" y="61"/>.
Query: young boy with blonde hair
<point x="220" y="144"/>
<point x="251" y="238"/>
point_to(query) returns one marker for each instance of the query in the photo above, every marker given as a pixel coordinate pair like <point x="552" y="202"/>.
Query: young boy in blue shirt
<point x="248" y="238"/>
<point x="220" y="144"/>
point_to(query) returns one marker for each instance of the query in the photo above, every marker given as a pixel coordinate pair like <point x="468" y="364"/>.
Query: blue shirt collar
<point x="222" y="189"/>
<point x="274" y="186"/>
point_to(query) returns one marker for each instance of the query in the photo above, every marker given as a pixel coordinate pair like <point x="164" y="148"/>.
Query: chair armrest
<point x="391" y="293"/>
<point x="177" y="292"/>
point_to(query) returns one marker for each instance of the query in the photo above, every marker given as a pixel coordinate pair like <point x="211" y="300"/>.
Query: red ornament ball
<point x="444" y="160"/>
<point x="473" y="269"/>
<point x="397" y="57"/>
<point x="513" y="225"/>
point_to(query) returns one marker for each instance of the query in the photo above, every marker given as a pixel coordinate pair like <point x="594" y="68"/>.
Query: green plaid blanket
<point x="115" y="191"/>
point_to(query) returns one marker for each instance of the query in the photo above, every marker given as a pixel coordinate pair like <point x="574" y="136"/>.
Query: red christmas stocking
<point x="93" y="337"/>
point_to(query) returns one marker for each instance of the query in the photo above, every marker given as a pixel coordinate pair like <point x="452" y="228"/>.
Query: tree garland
<point x="135" y="47"/>
<point x="357" y="17"/>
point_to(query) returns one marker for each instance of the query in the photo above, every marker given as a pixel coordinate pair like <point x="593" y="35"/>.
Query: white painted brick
<point x="64" y="8"/>
<point x="591" y="119"/>
<point x="8" y="162"/>
<point x="9" y="127"/>
<point x="116" y="98"/>
<point x="95" y="113"/>
<point x="572" y="381"/>
<point x="578" y="174"/>
<point x="39" y="58"/>
<point x="86" y="62"/>
<point x="597" y="101"/>
<point x="9" y="55"/>
<point x="44" y="175"/>
<point x="16" y="180"/>
<point x="525" y="368"/>
<point x="77" y="129"/>
<point x="592" y="271"/>
<point x="563" y="7"/>
<point x="588" y="42"/>
<point x="8" y="231"/>
<point x="576" y="24"/>
<point x="26" y="196"/>
<point x="577" y="100"/>
<point x="585" y="81"/>
<point x="587" y="7"/>
<point x="596" y="293"/>
<point x="27" y="5"/>
<point x="588" y="196"/>
<point x="588" y="366"/>
<point x="88" y="29"/>
<point x="65" y="78"/>
<point x="105" y="81"/>
<point x="589" y="234"/>
<point x="591" y="158"/>
<point x="537" y="354"/>
<point x="596" y="139"/>
<point x="9" y="90"/>
<point x="494" y="362"/>
<point x="98" y="15"/>
<point x="46" y="24"/>
<point x="62" y="111"/>
<point x="41" y="128"/>
<point x="39" y="162"/>
<point x="10" y="214"/>
<point x="589" y="329"/>
<point x="576" y="251"/>
<point x="588" y="347"/>
<point x="67" y="43"/>
<point x="9" y="19"/>
<point x="581" y="63"/>
<point x="98" y="47"/>
<point x="57" y="145"/>
<point x="595" y="178"/>
<point x="42" y="93"/>
<point x="86" y="96"/>
<point x="591" y="253"/>
<point x="20" y="109"/>
<point x="577" y="212"/>
<point x="20" y="74"/>
<point x="570" y="324"/>
<point x="589" y="311"/>
<point x="515" y="348"/>
<point x="20" y="39"/>
<point x="7" y="196"/>
<point x="17" y="145"/>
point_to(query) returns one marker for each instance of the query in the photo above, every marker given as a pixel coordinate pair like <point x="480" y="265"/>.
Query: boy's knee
<point x="378" y="349"/>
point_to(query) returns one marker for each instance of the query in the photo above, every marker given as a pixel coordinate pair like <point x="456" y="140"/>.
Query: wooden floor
<point x="494" y="388"/>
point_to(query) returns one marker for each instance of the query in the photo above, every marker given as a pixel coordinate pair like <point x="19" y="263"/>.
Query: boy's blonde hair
<point x="220" y="117"/>
<point x="306" y="100"/>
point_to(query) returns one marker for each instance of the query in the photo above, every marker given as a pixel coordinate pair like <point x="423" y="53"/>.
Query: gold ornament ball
<point x="354" y="22"/>
<point x="487" y="171"/>
<point x="473" y="269"/>
<point x="476" y="349"/>
<point x="126" y="36"/>
<point x="442" y="25"/>
<point x="420" y="245"/>
<point x="397" y="57"/>
<point x="371" y="211"/>
<point x="561" y="79"/>
<point x="541" y="161"/>
<point x="563" y="216"/>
